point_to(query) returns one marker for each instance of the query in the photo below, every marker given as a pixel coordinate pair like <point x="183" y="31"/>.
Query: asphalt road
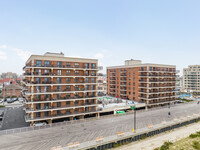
<point x="13" y="118"/>
<point x="44" y="139"/>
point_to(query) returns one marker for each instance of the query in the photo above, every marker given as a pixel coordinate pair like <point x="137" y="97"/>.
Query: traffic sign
<point x="133" y="130"/>
<point x="132" y="107"/>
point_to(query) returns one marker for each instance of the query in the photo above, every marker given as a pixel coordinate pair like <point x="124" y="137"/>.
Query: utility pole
<point x="135" y="119"/>
<point x="133" y="107"/>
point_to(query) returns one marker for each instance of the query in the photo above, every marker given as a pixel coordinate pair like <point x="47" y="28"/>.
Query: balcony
<point x="61" y="67"/>
<point x="61" y="75"/>
<point x="43" y="109"/>
<point x="66" y="98"/>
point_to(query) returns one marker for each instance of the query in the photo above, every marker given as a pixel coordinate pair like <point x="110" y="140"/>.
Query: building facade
<point x="102" y="84"/>
<point x="191" y="79"/>
<point x="59" y="87"/>
<point x="153" y="84"/>
<point x="11" y="90"/>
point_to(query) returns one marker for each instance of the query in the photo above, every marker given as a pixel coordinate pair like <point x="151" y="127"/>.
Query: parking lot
<point x="87" y="131"/>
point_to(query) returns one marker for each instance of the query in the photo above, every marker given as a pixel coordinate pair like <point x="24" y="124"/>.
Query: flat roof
<point x="142" y="65"/>
<point x="60" y="58"/>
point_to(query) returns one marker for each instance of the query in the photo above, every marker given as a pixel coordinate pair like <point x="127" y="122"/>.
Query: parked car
<point x="1" y="100"/>
<point x="21" y="100"/>
<point x="10" y="100"/>
<point x="15" y="99"/>
<point x="1" y="115"/>
<point x="38" y="124"/>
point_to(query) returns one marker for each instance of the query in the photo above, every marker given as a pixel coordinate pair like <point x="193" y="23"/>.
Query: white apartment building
<point x="191" y="78"/>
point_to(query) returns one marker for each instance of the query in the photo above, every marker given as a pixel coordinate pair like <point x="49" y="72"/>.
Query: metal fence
<point x="65" y="123"/>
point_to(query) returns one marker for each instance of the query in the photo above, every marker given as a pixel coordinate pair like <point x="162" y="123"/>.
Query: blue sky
<point x="154" y="31"/>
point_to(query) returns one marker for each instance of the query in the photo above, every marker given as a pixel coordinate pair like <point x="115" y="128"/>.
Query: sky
<point x="154" y="31"/>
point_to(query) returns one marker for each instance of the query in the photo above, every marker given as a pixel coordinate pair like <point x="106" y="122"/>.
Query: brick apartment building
<point x="153" y="84"/>
<point x="59" y="87"/>
<point x="11" y="90"/>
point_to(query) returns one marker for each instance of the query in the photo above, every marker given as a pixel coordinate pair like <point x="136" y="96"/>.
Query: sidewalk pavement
<point x="151" y="143"/>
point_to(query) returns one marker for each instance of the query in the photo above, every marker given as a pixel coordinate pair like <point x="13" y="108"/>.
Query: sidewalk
<point x="156" y="141"/>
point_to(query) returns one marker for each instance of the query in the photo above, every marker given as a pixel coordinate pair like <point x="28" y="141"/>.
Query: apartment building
<point x="59" y="87"/>
<point x="191" y="79"/>
<point x="153" y="84"/>
<point x="102" y="84"/>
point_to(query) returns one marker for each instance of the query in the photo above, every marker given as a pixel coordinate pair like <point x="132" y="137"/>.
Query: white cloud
<point x="3" y="55"/>
<point x="3" y="46"/>
<point x="24" y="55"/>
<point x="98" y="56"/>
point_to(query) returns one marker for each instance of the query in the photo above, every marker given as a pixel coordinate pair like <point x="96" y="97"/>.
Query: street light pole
<point x="135" y="119"/>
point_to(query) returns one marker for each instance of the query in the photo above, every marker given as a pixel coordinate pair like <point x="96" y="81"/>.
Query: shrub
<point x="166" y="145"/>
<point x="196" y="145"/>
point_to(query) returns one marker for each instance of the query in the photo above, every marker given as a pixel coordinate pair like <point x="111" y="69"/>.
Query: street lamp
<point x="134" y="108"/>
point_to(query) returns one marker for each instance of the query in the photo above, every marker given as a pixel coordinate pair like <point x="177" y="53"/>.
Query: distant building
<point x="102" y="83"/>
<point x="8" y="75"/>
<point x="191" y="78"/>
<point x="153" y="84"/>
<point x="179" y="81"/>
<point x="6" y="81"/>
<point x="11" y="90"/>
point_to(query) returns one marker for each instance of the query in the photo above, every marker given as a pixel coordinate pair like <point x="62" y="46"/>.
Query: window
<point x="58" y="80"/>
<point x="58" y="88"/>
<point x="38" y="97"/>
<point x="77" y="88"/>
<point x="37" y="114"/>
<point x="58" y="96"/>
<point x="58" y="104"/>
<point x="59" y="64"/>
<point x="68" y="64"/>
<point x="38" y="71"/>
<point x="68" y="88"/>
<point x="93" y="80"/>
<point x="76" y="72"/>
<point x="87" y="66"/>
<point x="46" y="80"/>
<point x="38" y="80"/>
<point x="92" y="87"/>
<point x="87" y="87"/>
<point x="59" y="72"/>
<point x="93" y="73"/>
<point x="38" y="63"/>
<point x="46" y="71"/>
<point x="93" y="66"/>
<point x="77" y="65"/>
<point x="46" y="63"/>
<point x="67" y="80"/>
<point x="46" y="113"/>
<point x="46" y="88"/>
<point x="59" y="112"/>
<point x="133" y="83"/>
<point x="77" y="80"/>
<point x="86" y="80"/>
<point x="38" y="89"/>
<point x="67" y="103"/>
<point x="68" y="72"/>
<point x="38" y="106"/>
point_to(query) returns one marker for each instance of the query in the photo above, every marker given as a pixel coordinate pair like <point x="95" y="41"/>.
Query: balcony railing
<point x="63" y="98"/>
<point x="62" y="66"/>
